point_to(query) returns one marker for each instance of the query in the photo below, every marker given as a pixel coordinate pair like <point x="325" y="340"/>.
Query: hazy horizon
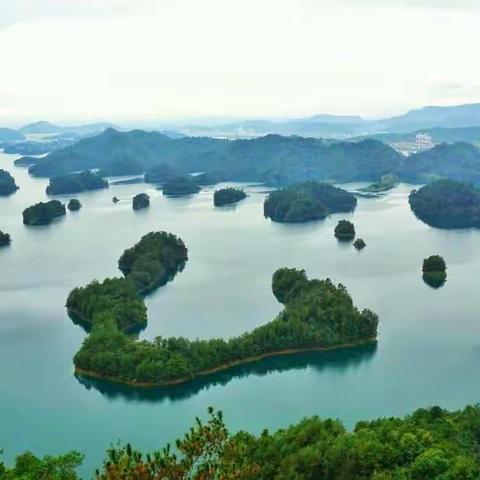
<point x="155" y="62"/>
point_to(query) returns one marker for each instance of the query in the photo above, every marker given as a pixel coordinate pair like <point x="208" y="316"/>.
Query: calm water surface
<point x="429" y="343"/>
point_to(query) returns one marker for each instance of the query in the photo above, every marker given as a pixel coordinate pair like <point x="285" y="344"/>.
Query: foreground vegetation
<point x="447" y="204"/>
<point x="76" y="182"/>
<point x="430" y="444"/>
<point x="317" y="315"/>
<point x="307" y="201"/>
<point x="7" y="183"/>
<point x="43" y="213"/>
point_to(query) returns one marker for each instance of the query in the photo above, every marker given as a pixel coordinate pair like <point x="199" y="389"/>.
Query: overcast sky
<point x="147" y="60"/>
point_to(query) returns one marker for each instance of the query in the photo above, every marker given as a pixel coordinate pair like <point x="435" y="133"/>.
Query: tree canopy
<point x="76" y="182"/>
<point x="225" y="196"/>
<point x="43" y="213"/>
<point x="7" y="183"/>
<point x="345" y="230"/>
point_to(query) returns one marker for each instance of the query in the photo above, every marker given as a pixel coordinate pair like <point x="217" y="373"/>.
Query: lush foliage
<point x="345" y="230"/>
<point x="29" y="467"/>
<point x="43" y="213"/>
<point x="76" y="182"/>
<point x="153" y="261"/>
<point x="228" y="195"/>
<point x="7" y="183"/>
<point x="113" y="299"/>
<point x="447" y="204"/>
<point x="142" y="200"/>
<point x="387" y="182"/>
<point x="74" y="204"/>
<point x="183" y="185"/>
<point x="4" y="239"/>
<point x="359" y="244"/>
<point x="306" y="201"/>
<point x="429" y="444"/>
<point x="317" y="314"/>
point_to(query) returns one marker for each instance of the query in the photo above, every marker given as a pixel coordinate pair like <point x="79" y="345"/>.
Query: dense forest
<point x="226" y="196"/>
<point x="307" y="201"/>
<point x="447" y="204"/>
<point x="76" y="182"/>
<point x="153" y="261"/>
<point x="7" y="183"/>
<point x="426" y="445"/>
<point x="345" y="230"/>
<point x="317" y="314"/>
<point x="43" y="213"/>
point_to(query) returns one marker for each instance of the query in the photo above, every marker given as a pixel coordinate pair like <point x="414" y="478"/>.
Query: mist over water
<point x="428" y="349"/>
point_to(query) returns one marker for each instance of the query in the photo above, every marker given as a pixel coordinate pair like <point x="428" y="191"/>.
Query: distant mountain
<point x="430" y="117"/>
<point x="9" y="135"/>
<point x="46" y="128"/>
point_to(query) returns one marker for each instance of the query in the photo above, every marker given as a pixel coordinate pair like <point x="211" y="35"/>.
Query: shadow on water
<point x="338" y="360"/>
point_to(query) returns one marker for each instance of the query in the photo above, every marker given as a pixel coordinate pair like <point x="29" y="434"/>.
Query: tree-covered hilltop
<point x="447" y="204"/>
<point x="153" y="261"/>
<point x="76" y="182"/>
<point x="4" y="239"/>
<point x="273" y="158"/>
<point x="142" y="200"/>
<point x="429" y="444"/>
<point x="345" y="230"/>
<point x="114" y="298"/>
<point x="43" y="213"/>
<point x="74" y="204"/>
<point x="228" y="195"/>
<point x="434" y="271"/>
<point x="317" y="315"/>
<point x="163" y="172"/>
<point x="459" y="161"/>
<point x="7" y="183"/>
<point x="307" y="201"/>
<point x="178" y="186"/>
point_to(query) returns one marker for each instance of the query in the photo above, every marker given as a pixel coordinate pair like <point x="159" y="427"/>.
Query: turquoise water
<point x="429" y="342"/>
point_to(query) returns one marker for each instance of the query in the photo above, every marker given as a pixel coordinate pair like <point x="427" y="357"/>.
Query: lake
<point x="428" y="351"/>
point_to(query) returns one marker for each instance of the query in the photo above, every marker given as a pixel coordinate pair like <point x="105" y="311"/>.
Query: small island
<point x="386" y="183"/>
<point x="434" y="271"/>
<point x="115" y="200"/>
<point x="142" y="200"/>
<point x="306" y="201"/>
<point x="75" y="183"/>
<point x="43" y="213"/>
<point x="74" y="205"/>
<point x="4" y="239"/>
<point x="7" y="183"/>
<point x="226" y="196"/>
<point x="345" y="230"/>
<point x="447" y="204"/>
<point x="179" y="186"/>
<point x="153" y="261"/>
<point x="359" y="244"/>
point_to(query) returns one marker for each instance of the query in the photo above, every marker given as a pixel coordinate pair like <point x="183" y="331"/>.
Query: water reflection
<point x="337" y="360"/>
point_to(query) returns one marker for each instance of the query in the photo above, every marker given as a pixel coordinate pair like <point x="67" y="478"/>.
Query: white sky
<point x="147" y="60"/>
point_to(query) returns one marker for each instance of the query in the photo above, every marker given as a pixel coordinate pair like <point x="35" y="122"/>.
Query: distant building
<point x="423" y="141"/>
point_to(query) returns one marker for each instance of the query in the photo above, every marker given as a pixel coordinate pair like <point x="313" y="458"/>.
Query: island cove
<point x="317" y="315"/>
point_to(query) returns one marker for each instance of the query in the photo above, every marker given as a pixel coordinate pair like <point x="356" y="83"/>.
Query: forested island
<point x="7" y="183"/>
<point x="429" y="444"/>
<point x="226" y="196"/>
<point x="141" y="200"/>
<point x="306" y="201"/>
<point x="387" y="182"/>
<point x="317" y="315"/>
<point x="178" y="186"/>
<point x="345" y="230"/>
<point x="74" y="204"/>
<point x="43" y="213"/>
<point x="75" y="183"/>
<point x="434" y="271"/>
<point x="359" y="244"/>
<point x="153" y="261"/>
<point x="4" y="239"/>
<point x="447" y="204"/>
